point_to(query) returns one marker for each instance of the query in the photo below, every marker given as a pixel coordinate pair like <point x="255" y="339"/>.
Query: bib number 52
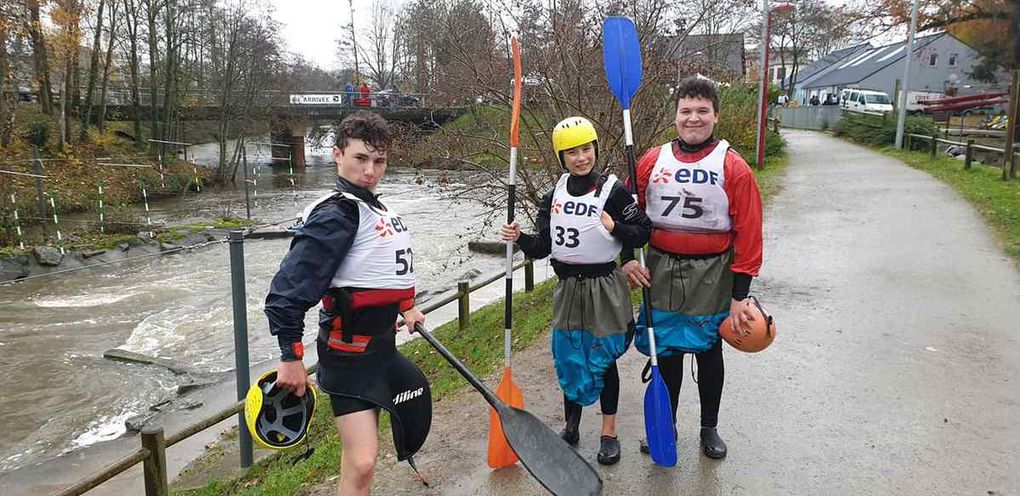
<point x="691" y="208"/>
<point x="405" y="262"/>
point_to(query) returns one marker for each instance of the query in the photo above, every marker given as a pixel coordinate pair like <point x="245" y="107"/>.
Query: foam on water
<point x="105" y="428"/>
<point x="85" y="300"/>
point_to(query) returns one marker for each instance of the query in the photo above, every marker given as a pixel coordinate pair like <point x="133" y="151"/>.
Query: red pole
<point x="763" y="125"/>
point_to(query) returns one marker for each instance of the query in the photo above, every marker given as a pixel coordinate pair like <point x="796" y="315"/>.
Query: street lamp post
<point x="763" y="92"/>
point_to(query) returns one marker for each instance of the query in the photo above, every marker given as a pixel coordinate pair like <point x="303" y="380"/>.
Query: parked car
<point x="866" y="101"/>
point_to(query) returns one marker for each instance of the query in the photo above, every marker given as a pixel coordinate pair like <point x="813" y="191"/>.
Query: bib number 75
<point x="691" y="208"/>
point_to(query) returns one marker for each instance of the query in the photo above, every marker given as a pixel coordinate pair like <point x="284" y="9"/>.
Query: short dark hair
<point x="695" y="87"/>
<point x="366" y="126"/>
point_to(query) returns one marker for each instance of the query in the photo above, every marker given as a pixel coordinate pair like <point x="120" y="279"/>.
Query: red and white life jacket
<point x="689" y="197"/>
<point x="575" y="224"/>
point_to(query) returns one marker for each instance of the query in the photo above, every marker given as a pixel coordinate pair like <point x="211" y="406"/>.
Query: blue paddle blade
<point x="621" y="52"/>
<point x="659" y="422"/>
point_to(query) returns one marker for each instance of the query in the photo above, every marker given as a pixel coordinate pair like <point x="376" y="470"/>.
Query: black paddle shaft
<point x="491" y="398"/>
<point x="646" y="294"/>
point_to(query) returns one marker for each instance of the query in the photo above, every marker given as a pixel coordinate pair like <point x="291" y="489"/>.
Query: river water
<point x="61" y="395"/>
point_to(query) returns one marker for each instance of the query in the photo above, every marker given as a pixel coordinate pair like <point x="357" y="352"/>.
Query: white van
<point x="866" y="101"/>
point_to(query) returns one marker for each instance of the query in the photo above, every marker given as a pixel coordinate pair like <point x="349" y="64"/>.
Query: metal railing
<point x="152" y="453"/>
<point x="970" y="146"/>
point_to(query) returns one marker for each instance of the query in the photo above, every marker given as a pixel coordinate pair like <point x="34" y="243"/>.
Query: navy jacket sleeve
<point x="318" y="248"/>
<point x="633" y="227"/>
<point x="538" y="246"/>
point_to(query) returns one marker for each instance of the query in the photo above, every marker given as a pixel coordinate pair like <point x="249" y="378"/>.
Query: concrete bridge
<point x="290" y="114"/>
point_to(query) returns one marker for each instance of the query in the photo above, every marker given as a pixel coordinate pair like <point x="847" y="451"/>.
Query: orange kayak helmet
<point x="756" y="337"/>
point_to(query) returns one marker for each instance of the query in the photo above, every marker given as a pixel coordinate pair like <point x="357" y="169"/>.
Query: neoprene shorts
<point x="342" y="405"/>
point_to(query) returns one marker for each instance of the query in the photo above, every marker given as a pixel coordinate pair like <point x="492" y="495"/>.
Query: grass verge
<point x="996" y="200"/>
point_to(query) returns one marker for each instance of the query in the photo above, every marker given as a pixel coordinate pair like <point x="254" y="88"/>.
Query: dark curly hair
<point x="695" y="87"/>
<point x="366" y="126"/>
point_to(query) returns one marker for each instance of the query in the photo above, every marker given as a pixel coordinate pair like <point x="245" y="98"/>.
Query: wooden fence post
<point x="529" y="275"/>
<point x="463" y="304"/>
<point x="969" y="155"/>
<point x="155" y="465"/>
<point x="934" y="144"/>
<point x="907" y="143"/>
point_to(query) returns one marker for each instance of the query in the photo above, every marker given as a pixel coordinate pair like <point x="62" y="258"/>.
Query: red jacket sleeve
<point x="644" y="171"/>
<point x="746" y="214"/>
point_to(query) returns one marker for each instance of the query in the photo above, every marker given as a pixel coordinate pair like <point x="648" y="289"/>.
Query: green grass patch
<point x="480" y="346"/>
<point x="996" y="200"/>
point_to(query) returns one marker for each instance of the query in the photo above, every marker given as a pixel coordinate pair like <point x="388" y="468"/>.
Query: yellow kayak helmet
<point x="276" y="418"/>
<point x="571" y="132"/>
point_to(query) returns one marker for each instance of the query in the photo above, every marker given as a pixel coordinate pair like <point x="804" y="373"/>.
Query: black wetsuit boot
<point x="572" y="414"/>
<point x="711" y="444"/>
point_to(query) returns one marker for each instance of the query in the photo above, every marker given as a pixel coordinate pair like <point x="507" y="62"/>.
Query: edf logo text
<point x="580" y="209"/>
<point x="696" y="176"/>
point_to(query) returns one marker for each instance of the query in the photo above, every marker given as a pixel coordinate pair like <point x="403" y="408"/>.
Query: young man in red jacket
<point x="706" y="246"/>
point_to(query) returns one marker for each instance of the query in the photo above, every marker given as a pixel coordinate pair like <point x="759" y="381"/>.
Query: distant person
<point x="348" y="93"/>
<point x="829" y="100"/>
<point x="782" y="100"/>
<point x="814" y="100"/>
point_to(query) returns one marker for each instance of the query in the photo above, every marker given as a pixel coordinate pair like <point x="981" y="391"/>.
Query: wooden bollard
<point x="463" y="305"/>
<point x="154" y="466"/>
<point x="969" y="155"/>
<point x="529" y="275"/>
<point x="934" y="144"/>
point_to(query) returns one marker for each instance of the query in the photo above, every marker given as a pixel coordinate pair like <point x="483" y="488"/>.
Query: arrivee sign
<point x="315" y="99"/>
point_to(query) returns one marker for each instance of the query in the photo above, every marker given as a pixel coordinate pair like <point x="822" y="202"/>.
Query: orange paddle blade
<point x="500" y="453"/>
<point x="515" y="49"/>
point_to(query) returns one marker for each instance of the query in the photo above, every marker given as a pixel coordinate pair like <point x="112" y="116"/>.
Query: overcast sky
<point x="312" y="27"/>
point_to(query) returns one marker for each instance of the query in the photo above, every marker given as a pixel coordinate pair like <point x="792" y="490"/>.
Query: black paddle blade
<point x="549" y="459"/>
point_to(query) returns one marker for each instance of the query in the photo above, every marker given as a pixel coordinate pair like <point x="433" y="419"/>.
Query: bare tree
<point x="85" y="111"/>
<point x="107" y="62"/>
<point x="40" y="56"/>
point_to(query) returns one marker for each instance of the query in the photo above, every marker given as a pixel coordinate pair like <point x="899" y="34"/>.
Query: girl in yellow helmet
<point x="583" y="223"/>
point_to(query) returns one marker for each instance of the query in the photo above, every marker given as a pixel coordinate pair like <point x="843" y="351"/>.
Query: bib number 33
<point x="690" y="209"/>
<point x="567" y="237"/>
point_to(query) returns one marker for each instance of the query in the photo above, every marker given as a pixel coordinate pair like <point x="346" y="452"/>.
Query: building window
<point x="933" y="60"/>
<point x="952" y="60"/>
<point x="780" y="74"/>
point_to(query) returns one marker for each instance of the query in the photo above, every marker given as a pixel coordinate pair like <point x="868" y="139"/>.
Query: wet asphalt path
<point x="895" y="370"/>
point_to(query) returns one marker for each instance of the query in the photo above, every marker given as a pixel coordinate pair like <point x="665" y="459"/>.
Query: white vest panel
<point x="381" y="256"/>
<point x="575" y="224"/>
<point x="689" y="197"/>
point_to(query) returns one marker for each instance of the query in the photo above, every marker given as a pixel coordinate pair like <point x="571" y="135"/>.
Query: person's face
<point x="579" y="160"/>
<point x="360" y="164"/>
<point x="695" y="119"/>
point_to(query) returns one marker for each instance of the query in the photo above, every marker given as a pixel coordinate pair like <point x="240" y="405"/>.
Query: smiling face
<point x="579" y="160"/>
<point x="695" y="119"/>
<point x="360" y="164"/>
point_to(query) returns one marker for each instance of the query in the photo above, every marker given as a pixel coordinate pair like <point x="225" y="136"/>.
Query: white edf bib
<point x="689" y="197"/>
<point x="381" y="256"/>
<point x="575" y="224"/>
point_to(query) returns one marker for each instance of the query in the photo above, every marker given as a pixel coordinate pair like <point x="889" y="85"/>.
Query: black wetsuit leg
<point x="672" y="370"/>
<point x="710" y="383"/>
<point x="609" y="400"/>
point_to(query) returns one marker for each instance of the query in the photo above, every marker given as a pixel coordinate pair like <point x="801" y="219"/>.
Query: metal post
<point x="763" y="91"/>
<point x="154" y="466"/>
<point x="463" y="304"/>
<point x="529" y="275"/>
<point x="102" y="209"/>
<point x="934" y="143"/>
<point x="17" y="222"/>
<point x="38" y="171"/>
<point x="241" y="366"/>
<point x="901" y="118"/>
<point x="247" y="199"/>
<point x="969" y="156"/>
<point x="1008" y="162"/>
<point x="56" y="223"/>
